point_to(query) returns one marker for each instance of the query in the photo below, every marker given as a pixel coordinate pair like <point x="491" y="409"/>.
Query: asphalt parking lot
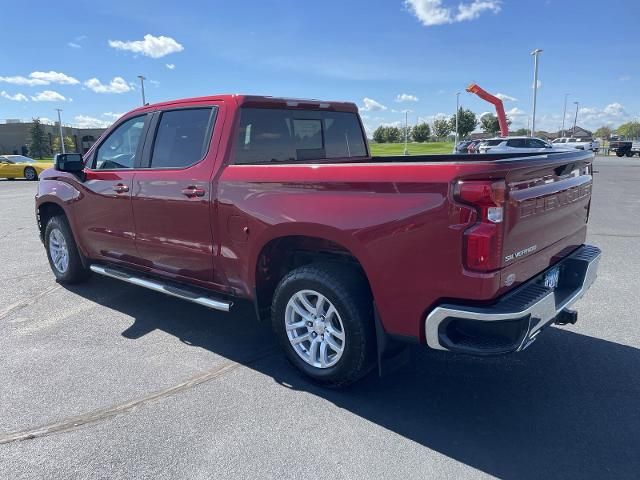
<point x="107" y="380"/>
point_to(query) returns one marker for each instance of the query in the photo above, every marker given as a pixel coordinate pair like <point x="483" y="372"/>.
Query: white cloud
<point x="504" y="96"/>
<point x="591" y="118"/>
<point x="170" y="66"/>
<point x="112" y="115"/>
<point x="84" y="121"/>
<point x="624" y="78"/>
<point x="117" y="85"/>
<point x="151" y="46"/>
<point x="405" y="97"/>
<point x="518" y="118"/>
<point x="370" y="105"/>
<point x="74" y="45"/>
<point x="41" y="78"/>
<point x="54" y="77"/>
<point x="48" y="96"/>
<point x="432" y="12"/>
<point x="18" y="97"/>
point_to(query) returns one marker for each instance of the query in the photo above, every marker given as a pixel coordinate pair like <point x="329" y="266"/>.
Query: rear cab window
<point x="268" y="135"/>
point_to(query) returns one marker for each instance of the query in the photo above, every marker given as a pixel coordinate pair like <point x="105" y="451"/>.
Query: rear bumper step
<point x="516" y="319"/>
<point x="175" y="291"/>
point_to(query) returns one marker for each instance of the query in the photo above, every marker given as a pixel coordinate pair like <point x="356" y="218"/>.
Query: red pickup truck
<point x="279" y="201"/>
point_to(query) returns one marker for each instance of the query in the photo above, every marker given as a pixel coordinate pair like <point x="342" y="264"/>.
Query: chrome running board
<point x="174" y="291"/>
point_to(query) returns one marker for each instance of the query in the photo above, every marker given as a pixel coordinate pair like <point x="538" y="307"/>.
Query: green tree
<point x="441" y="128"/>
<point x="489" y="124"/>
<point x="408" y="131"/>
<point x="467" y="124"/>
<point x="603" y="132"/>
<point x="69" y="145"/>
<point x="380" y="134"/>
<point x="394" y="135"/>
<point x="421" y="132"/>
<point x="521" y="132"/>
<point x="39" y="144"/>
<point x="629" y="130"/>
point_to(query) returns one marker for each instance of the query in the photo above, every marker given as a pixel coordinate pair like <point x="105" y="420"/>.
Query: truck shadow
<point x="568" y="407"/>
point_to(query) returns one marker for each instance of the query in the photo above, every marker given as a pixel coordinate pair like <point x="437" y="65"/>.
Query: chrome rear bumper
<point x="515" y="320"/>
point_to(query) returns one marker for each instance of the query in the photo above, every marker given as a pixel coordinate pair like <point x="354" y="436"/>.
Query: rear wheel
<point x="30" y="173"/>
<point x="619" y="153"/>
<point x="629" y="154"/>
<point x="62" y="252"/>
<point x="322" y="315"/>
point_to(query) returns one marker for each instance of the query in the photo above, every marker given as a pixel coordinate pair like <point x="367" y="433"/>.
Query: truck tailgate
<point x="548" y="203"/>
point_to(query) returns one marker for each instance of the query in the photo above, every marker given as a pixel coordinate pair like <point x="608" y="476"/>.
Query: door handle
<point x="193" y="191"/>
<point x="120" y="188"/>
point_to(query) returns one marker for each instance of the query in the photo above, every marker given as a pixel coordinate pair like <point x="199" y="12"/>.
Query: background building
<point x="15" y="138"/>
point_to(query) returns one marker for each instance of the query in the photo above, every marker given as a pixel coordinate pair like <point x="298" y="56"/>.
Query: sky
<point x="387" y="56"/>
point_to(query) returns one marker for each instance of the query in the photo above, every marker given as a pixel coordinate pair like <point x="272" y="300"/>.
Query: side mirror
<point x="69" y="162"/>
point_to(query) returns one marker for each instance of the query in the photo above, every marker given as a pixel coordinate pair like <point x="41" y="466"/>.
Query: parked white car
<point x="514" y="145"/>
<point x="575" y="143"/>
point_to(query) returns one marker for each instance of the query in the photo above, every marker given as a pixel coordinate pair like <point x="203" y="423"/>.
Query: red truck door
<point x="105" y="220"/>
<point x="172" y="194"/>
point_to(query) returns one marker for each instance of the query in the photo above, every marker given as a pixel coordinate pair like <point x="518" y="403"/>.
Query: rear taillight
<point x="483" y="241"/>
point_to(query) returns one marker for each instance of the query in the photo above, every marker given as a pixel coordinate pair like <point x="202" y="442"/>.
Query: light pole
<point x="60" y="128"/>
<point x="575" y="119"/>
<point x="406" y="131"/>
<point x="535" y="54"/>
<point x="455" y="145"/>
<point x="564" y="114"/>
<point x="142" y="79"/>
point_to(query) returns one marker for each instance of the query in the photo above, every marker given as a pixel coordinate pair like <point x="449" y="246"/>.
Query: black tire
<point x="629" y="154"/>
<point x="30" y="174"/>
<point x="75" y="271"/>
<point x="619" y="153"/>
<point x="349" y="293"/>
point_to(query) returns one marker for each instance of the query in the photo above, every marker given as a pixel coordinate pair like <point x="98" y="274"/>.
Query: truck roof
<point x="262" y="101"/>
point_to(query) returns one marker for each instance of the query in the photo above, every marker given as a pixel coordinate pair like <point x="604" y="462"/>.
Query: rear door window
<point x="493" y="143"/>
<point x="281" y="135"/>
<point x="182" y="137"/>
<point x="516" y="143"/>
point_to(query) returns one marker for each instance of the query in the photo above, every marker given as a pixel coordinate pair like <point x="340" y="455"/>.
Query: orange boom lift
<point x="502" y="118"/>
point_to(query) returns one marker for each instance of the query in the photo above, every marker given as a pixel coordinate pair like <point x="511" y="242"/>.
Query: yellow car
<point x="19" y="166"/>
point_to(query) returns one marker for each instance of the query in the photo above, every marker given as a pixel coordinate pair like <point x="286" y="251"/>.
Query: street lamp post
<point x="535" y="54"/>
<point x="455" y="145"/>
<point x="60" y="129"/>
<point x="142" y="79"/>
<point x="564" y="114"/>
<point x="406" y="132"/>
<point x="575" y="120"/>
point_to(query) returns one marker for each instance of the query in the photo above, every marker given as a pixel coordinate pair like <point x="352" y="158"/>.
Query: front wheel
<point x="629" y="154"/>
<point x="62" y="252"/>
<point x="323" y="317"/>
<point x="30" y="173"/>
